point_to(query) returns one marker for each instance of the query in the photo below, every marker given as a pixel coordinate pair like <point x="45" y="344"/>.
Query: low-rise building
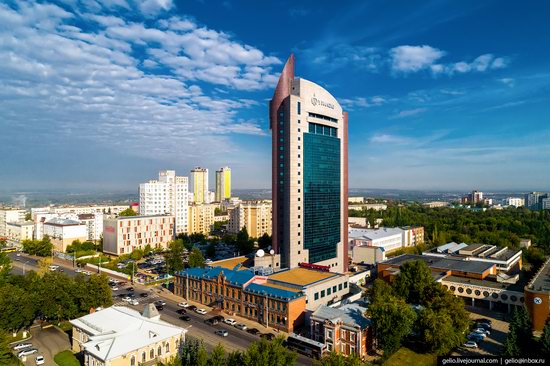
<point x="63" y="232"/>
<point x="201" y="218"/>
<point x="94" y="225"/>
<point x="124" y="234"/>
<point x="120" y="336"/>
<point x="344" y="330"/>
<point x="79" y="210"/>
<point x="254" y="215"/>
<point x="356" y="199"/>
<point x="514" y="201"/>
<point x="8" y="215"/>
<point x="436" y="204"/>
<point x="390" y="239"/>
<point x="19" y="231"/>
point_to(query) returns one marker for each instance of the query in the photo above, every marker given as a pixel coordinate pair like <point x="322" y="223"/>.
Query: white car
<point x="470" y="344"/>
<point x="27" y="352"/>
<point x="482" y="331"/>
<point x="87" y="273"/>
<point x="201" y="311"/>
<point x="183" y="304"/>
<point x="134" y="302"/>
<point x="53" y="268"/>
<point x="22" y="346"/>
<point x="240" y="326"/>
<point x="114" y="288"/>
<point x="127" y="299"/>
<point x="18" y="255"/>
<point x="230" y="321"/>
<point x="78" y="270"/>
<point x="40" y="360"/>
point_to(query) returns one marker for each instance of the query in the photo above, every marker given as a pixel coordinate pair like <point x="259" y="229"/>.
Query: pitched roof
<point x="350" y="314"/>
<point x="116" y="331"/>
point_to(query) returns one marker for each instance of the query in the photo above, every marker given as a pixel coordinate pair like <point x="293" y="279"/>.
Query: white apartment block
<point x="8" y="215"/>
<point x="124" y="234"/>
<point x="254" y="215"/>
<point x="94" y="225"/>
<point x="389" y="239"/>
<point x="19" y="231"/>
<point x="78" y="210"/>
<point x="166" y="196"/>
<point x="63" y="232"/>
<point x="515" y="201"/>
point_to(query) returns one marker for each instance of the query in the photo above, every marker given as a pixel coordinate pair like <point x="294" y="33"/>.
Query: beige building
<point x="124" y="234"/>
<point x="120" y="336"/>
<point x="254" y="215"/>
<point x="199" y="185"/>
<point x="201" y="218"/>
<point x="18" y="231"/>
<point x="8" y="215"/>
<point x="63" y="232"/>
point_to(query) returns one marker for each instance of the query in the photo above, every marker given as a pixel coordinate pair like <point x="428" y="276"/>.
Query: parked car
<point x="192" y="307"/>
<point x="181" y="311"/>
<point x="486" y="326"/>
<point x="201" y="311"/>
<point x="53" y="268"/>
<point x="470" y="344"/>
<point x="253" y="331"/>
<point x="134" y="302"/>
<point x="144" y="294"/>
<point x="127" y="299"/>
<point x="130" y="289"/>
<point x="484" y="320"/>
<point x="268" y="336"/>
<point x="211" y="321"/>
<point x="475" y="337"/>
<point x="20" y="346"/>
<point x="160" y="302"/>
<point x="114" y="288"/>
<point x="78" y="270"/>
<point x="183" y="304"/>
<point x="185" y="318"/>
<point x="482" y="331"/>
<point x="222" y="332"/>
<point x="219" y="318"/>
<point x="40" y="360"/>
<point x="27" y="352"/>
<point x="241" y="326"/>
<point x="230" y="321"/>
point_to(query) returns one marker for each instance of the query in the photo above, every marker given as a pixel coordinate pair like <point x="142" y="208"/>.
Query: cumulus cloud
<point x="62" y="81"/>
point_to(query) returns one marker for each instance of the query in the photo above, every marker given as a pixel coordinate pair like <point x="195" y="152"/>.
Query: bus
<point x="9" y="250"/>
<point x="306" y="346"/>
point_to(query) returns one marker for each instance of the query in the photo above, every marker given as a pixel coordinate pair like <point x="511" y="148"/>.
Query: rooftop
<point x="231" y="263"/>
<point x="373" y="234"/>
<point x="301" y="276"/>
<point x="271" y="291"/>
<point x="59" y="221"/>
<point x="490" y="282"/>
<point x="442" y="263"/>
<point x="235" y="277"/>
<point x="115" y="331"/>
<point x="350" y="314"/>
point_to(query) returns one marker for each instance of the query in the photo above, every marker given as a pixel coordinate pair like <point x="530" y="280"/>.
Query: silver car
<point x="27" y="352"/>
<point x="22" y="346"/>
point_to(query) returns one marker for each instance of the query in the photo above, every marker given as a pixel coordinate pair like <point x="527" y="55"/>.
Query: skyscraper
<point x="167" y="195"/>
<point x="309" y="173"/>
<point x="199" y="181"/>
<point x="223" y="184"/>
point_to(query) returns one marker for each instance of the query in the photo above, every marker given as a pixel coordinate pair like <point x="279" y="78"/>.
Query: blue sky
<point x="442" y="94"/>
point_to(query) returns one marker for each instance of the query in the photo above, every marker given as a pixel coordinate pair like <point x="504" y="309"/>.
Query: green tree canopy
<point x="196" y="259"/>
<point x="128" y="212"/>
<point x="264" y="241"/>
<point x="174" y="256"/>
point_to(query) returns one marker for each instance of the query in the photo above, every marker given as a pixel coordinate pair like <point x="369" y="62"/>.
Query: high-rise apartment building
<point x="533" y="200"/>
<point x="254" y="215"/>
<point x="201" y="218"/>
<point x="223" y="184"/>
<point x="199" y="185"/>
<point x="167" y="195"/>
<point x="309" y="172"/>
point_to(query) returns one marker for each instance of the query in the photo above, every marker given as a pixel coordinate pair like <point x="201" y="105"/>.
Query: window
<point x="133" y="361"/>
<point x="334" y="288"/>
<point x="143" y="357"/>
<point x="299" y="107"/>
<point x="352" y="336"/>
<point x="340" y="287"/>
<point x="322" y="293"/>
<point x="345" y="285"/>
<point x="159" y="351"/>
<point x="329" y="334"/>
<point x="329" y="291"/>
<point x="152" y="354"/>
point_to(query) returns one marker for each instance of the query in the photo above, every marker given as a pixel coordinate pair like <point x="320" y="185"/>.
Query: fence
<point x="108" y="271"/>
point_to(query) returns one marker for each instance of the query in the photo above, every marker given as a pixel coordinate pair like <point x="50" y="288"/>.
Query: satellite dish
<point x="260" y="253"/>
<point x="271" y="252"/>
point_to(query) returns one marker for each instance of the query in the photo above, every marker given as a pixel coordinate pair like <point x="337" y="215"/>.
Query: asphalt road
<point x="236" y="340"/>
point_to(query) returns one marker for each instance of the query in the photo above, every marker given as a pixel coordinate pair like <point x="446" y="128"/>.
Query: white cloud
<point x="154" y="7"/>
<point x="414" y="58"/>
<point x="362" y="102"/>
<point x="508" y="81"/>
<point x="408" y="113"/>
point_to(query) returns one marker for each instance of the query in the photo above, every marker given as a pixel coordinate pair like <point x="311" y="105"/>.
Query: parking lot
<point x="492" y="345"/>
<point x="48" y="342"/>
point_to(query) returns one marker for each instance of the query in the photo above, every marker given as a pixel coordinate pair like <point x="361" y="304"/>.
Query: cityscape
<point x="140" y="224"/>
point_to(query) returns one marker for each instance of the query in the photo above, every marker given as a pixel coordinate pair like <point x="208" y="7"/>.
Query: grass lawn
<point x="405" y="356"/>
<point x="65" y="326"/>
<point x="66" y="358"/>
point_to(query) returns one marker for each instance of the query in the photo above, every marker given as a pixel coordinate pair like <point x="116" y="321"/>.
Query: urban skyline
<point x="429" y="110"/>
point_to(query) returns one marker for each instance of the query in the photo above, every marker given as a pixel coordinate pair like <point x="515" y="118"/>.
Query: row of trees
<point x="442" y="225"/>
<point x="42" y="248"/>
<point x="417" y="308"/>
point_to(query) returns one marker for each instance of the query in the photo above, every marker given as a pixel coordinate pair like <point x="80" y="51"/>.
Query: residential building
<point x="545" y="203"/>
<point x="201" y="218"/>
<point x="199" y="185"/>
<point x="19" y="231"/>
<point x="474" y="198"/>
<point x="254" y="215"/>
<point x="120" y="336"/>
<point x="223" y="184"/>
<point x="63" y="232"/>
<point x="514" y="201"/>
<point x="94" y="225"/>
<point x="368" y="206"/>
<point x="412" y="235"/>
<point x="367" y="255"/>
<point x="436" y="204"/>
<point x="344" y="330"/>
<point x="166" y="196"/>
<point x="358" y="222"/>
<point x="356" y="199"/>
<point x="309" y="173"/>
<point x="533" y="200"/>
<point x="8" y="215"/>
<point x="124" y="234"/>
<point x="78" y="210"/>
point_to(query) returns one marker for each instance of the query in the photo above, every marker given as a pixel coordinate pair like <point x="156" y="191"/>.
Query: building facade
<point x="309" y="173"/>
<point x="8" y="215"/>
<point x="199" y="185"/>
<point x="254" y="215"/>
<point x="19" y="231"/>
<point x="167" y="195"/>
<point x="223" y="184"/>
<point x="390" y="239"/>
<point x="124" y="234"/>
<point x="201" y="218"/>
<point x="63" y="232"/>
<point x="514" y="201"/>
<point x="533" y="200"/>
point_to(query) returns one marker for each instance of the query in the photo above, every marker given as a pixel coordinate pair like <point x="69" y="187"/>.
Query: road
<point x="237" y="339"/>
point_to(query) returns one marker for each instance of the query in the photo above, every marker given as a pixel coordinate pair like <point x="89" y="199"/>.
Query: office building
<point x="223" y="184"/>
<point x="254" y="215"/>
<point x="166" y="196"/>
<point x="309" y="173"/>
<point x="201" y="218"/>
<point x="124" y="234"/>
<point x="8" y="215"/>
<point x="199" y="185"/>
<point x="120" y="336"/>
<point x="514" y="201"/>
<point x="345" y="330"/>
<point x="63" y="232"/>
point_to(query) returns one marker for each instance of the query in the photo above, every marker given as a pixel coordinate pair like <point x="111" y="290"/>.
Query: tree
<point x="435" y="331"/>
<point x="235" y="358"/>
<point x="128" y="212"/>
<point x="196" y="258"/>
<point x="338" y="359"/>
<point x="193" y="353"/>
<point x="174" y="256"/>
<point x="42" y="248"/>
<point x="211" y="249"/>
<point x="413" y="280"/>
<point x="268" y="353"/>
<point x="148" y="249"/>
<point x="545" y="341"/>
<point x="520" y="335"/>
<point x="244" y="244"/>
<point x="217" y="357"/>
<point x="17" y="309"/>
<point x="264" y="241"/>
<point x="6" y="355"/>
<point x="5" y="268"/>
<point x="28" y="216"/>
